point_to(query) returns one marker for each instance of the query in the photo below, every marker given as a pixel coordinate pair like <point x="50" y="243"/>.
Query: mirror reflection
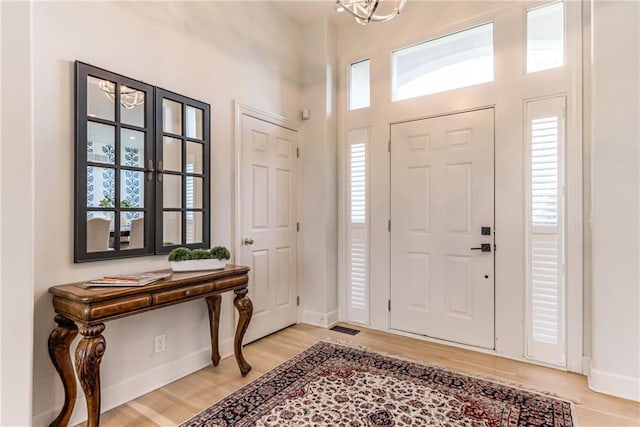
<point x="132" y="148"/>
<point x="172" y="191"/>
<point x="194" y="227"/>
<point x="100" y="143"/>
<point x="193" y="122"/>
<point x="193" y="192"/>
<point x="131" y="106"/>
<point x="101" y="230"/>
<point x="101" y="190"/>
<point x="99" y="104"/>
<point x="99" y="226"/>
<point x="194" y="157"/>
<point x="131" y="189"/>
<point x="172" y="153"/>
<point x="172" y="228"/>
<point x="171" y="117"/>
<point x="132" y="230"/>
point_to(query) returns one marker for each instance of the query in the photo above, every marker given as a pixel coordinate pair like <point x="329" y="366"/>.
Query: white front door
<point x="268" y="221"/>
<point x="442" y="185"/>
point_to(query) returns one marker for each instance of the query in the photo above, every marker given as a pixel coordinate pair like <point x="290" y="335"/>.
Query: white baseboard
<point x="323" y="320"/>
<point x="132" y="388"/>
<point x="586" y="365"/>
<point x="614" y="384"/>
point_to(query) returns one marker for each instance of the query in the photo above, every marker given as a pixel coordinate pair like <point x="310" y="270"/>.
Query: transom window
<point x="455" y="61"/>
<point x="545" y="37"/>
<point x="359" y="85"/>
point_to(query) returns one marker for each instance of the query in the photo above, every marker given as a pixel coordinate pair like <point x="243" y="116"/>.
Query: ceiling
<point x="306" y="11"/>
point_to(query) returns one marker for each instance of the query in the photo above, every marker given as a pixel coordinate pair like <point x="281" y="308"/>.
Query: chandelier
<point x="366" y="11"/>
<point x="129" y="98"/>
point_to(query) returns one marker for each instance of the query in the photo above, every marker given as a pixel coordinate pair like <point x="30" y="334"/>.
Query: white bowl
<point x="198" y="264"/>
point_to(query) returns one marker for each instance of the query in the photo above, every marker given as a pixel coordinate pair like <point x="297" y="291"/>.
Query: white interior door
<point x="268" y="221"/>
<point x="442" y="194"/>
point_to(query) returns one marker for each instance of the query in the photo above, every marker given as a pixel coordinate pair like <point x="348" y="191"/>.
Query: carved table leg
<point x="245" y="309"/>
<point x="213" y="302"/>
<point x="59" y="343"/>
<point x="88" y="356"/>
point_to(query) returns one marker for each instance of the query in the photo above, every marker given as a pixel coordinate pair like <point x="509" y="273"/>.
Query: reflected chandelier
<point x="129" y="98"/>
<point x="366" y="11"/>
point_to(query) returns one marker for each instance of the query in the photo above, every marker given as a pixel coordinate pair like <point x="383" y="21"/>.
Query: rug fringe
<point x="501" y="381"/>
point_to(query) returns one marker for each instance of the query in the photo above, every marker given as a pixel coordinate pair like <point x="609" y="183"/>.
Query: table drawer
<point x="231" y="282"/>
<point x="118" y="306"/>
<point x="182" y="293"/>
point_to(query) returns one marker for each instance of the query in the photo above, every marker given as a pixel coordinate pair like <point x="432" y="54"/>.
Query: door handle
<point x="484" y="247"/>
<point x="247" y="241"/>
<point x="150" y="170"/>
<point x="160" y="170"/>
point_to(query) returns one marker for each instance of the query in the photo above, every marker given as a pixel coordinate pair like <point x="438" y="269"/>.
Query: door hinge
<point x="495" y="248"/>
<point x="297" y="226"/>
<point x="298" y="152"/>
<point x="389" y="226"/>
<point x="298" y="301"/>
<point x="389" y="305"/>
<point x="389" y="146"/>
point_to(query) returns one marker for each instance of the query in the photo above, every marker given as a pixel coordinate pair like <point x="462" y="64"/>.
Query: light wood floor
<point x="186" y="397"/>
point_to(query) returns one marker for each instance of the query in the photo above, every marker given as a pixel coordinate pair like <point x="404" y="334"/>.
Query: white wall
<point x="615" y="367"/>
<point x="216" y="52"/>
<point x="319" y="162"/>
<point x="16" y="215"/>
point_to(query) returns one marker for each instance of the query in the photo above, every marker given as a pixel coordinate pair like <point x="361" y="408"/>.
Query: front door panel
<point x="442" y="184"/>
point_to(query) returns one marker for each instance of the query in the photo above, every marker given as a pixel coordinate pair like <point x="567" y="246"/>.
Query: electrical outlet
<point x="159" y="343"/>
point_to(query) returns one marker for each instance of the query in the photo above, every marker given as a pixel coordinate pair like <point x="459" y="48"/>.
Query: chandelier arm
<point x="348" y="9"/>
<point x="364" y="10"/>
<point x="373" y="8"/>
<point x="129" y="97"/>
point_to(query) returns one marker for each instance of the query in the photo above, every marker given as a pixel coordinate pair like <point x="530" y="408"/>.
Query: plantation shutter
<point x="358" y="228"/>
<point x="545" y="321"/>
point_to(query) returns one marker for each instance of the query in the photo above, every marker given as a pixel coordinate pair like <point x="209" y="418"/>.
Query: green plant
<point x="186" y="254"/>
<point x="200" y="254"/>
<point x="180" y="254"/>
<point x="220" y="252"/>
<point x="107" y="202"/>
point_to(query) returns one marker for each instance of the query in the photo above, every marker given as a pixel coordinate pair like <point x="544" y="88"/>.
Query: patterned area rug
<point x="336" y="385"/>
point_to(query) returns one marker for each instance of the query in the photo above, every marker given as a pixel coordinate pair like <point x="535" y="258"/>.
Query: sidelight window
<point x="545" y="322"/>
<point x="358" y="227"/>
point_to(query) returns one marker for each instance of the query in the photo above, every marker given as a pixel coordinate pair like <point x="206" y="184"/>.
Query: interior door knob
<point x="247" y="241"/>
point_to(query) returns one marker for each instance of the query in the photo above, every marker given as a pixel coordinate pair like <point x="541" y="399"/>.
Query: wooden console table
<point x="90" y="307"/>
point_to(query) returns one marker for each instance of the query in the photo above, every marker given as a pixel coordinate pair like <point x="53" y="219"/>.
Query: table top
<point x="81" y="293"/>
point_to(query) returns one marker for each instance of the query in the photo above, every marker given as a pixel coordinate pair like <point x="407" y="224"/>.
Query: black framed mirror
<point x="121" y="209"/>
